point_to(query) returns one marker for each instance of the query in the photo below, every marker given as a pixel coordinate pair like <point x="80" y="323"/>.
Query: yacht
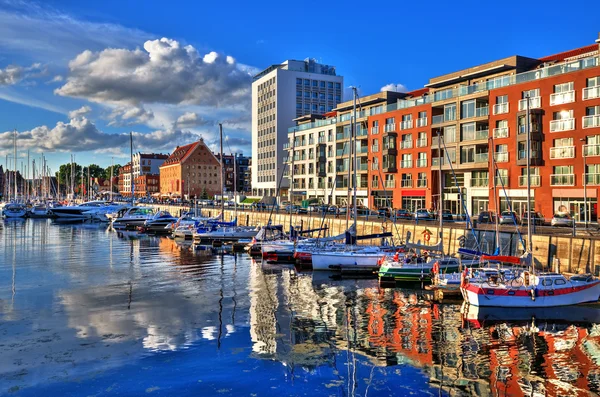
<point x="77" y="211"/>
<point x="159" y="222"/>
<point x="14" y="210"/>
<point x="39" y="211"/>
<point x="132" y="217"/>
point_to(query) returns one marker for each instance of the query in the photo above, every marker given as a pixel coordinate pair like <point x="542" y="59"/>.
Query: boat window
<point x="559" y="281"/>
<point x="546" y="282"/>
<point x="511" y="292"/>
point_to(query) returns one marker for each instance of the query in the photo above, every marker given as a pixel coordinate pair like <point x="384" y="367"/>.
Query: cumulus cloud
<point x="164" y="71"/>
<point x="80" y="112"/>
<point x="12" y="74"/>
<point x="122" y="116"/>
<point x="80" y="134"/>
<point x="394" y="87"/>
<point x="191" y="119"/>
<point x="56" y="79"/>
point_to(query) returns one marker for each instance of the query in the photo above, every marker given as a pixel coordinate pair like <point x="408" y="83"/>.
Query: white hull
<point x="226" y="236"/>
<point x="120" y="224"/>
<point x="329" y="261"/>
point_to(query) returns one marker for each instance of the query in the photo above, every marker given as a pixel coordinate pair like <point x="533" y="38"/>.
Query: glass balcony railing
<point x="441" y="119"/>
<point x="406" y="164"/>
<point x="362" y="149"/>
<point x="535" y="180"/>
<point x="501" y="108"/>
<point x="342" y="135"/>
<point x="562" y="152"/>
<point x="311" y="141"/>
<point x="422" y="122"/>
<point x="502" y="180"/>
<point x="591" y="121"/>
<point x="406" y="182"/>
<point x="390" y="184"/>
<point x="562" y="125"/>
<point x="421" y="163"/>
<point x="562" y="179"/>
<point x="406" y="144"/>
<point x="482" y="135"/>
<point x="481" y="157"/>
<point x="361" y="132"/>
<point x="322" y="139"/>
<point x="523" y="154"/>
<point x="562" y="97"/>
<point x="591" y="150"/>
<point x="375" y="184"/>
<point x="342" y="152"/>
<point x="436" y="161"/>
<point x="390" y="127"/>
<point x="480" y="182"/>
<point x="406" y="124"/>
<point x="591" y="179"/>
<point x="375" y="130"/>
<point x="591" y="92"/>
<point x="317" y="123"/>
<point x="422" y="142"/>
<point x="501" y="132"/>
<point x="482" y="111"/>
<point x="363" y="167"/>
<point x="421" y="182"/>
<point x="501" y="157"/>
<point x="534" y="103"/>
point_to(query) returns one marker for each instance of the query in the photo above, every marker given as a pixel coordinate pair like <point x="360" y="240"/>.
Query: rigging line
<point x="330" y="195"/>
<point x="390" y="204"/>
<point x="278" y="191"/>
<point x="463" y="205"/>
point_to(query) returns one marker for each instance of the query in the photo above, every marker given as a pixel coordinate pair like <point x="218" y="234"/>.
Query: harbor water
<point x="88" y="311"/>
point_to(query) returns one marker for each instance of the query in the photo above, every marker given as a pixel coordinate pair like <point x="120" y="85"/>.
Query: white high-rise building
<point x="280" y="94"/>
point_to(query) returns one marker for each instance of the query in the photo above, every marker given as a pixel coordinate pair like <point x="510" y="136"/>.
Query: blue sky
<point x="107" y="61"/>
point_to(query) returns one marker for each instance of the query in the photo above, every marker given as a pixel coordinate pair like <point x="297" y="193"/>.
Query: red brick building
<point x="147" y="185"/>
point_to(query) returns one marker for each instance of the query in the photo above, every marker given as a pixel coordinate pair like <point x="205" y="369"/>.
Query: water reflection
<point x="78" y="302"/>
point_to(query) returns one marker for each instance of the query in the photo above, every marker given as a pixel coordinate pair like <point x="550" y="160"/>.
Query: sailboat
<point x="531" y="289"/>
<point x="14" y="209"/>
<point x="353" y="258"/>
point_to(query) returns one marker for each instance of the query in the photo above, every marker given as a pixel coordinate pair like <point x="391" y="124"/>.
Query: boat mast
<point x="292" y="179"/>
<point x="234" y="184"/>
<point x="496" y="201"/>
<point x="440" y="210"/>
<point x="222" y="174"/>
<point x="529" y="242"/>
<point x="353" y="148"/>
<point x="28" y="189"/>
<point x="15" y="156"/>
<point x="131" y="163"/>
<point x="112" y="165"/>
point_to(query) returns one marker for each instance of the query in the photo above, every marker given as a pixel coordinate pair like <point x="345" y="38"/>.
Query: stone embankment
<point x="551" y="253"/>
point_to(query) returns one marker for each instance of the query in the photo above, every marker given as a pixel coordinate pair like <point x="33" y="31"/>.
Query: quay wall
<point x="575" y="254"/>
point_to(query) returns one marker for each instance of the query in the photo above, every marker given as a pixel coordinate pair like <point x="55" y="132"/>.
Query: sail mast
<point x="292" y="179"/>
<point x="496" y="201"/>
<point x="15" y="155"/>
<point x="354" y="163"/>
<point x="440" y="209"/>
<point x="112" y="166"/>
<point x="131" y="162"/>
<point x="529" y="242"/>
<point x="222" y="174"/>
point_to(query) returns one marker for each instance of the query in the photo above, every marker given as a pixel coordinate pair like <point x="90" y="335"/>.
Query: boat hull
<point x="15" y="214"/>
<point x="357" y="261"/>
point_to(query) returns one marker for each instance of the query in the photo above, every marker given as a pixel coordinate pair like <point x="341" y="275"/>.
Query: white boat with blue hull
<point x="132" y="218"/>
<point x="77" y="211"/>
<point x="14" y="210"/>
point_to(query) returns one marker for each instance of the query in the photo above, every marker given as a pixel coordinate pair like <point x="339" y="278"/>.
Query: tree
<point x="94" y="171"/>
<point x="115" y="171"/>
<point x="64" y="174"/>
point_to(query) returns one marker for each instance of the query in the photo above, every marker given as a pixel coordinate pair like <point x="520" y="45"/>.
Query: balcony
<point x="363" y="167"/>
<point x="421" y="163"/>
<point x="502" y="180"/>
<point x="422" y="122"/>
<point x="422" y="142"/>
<point x="501" y="132"/>
<point x="407" y="144"/>
<point x="375" y="184"/>
<point x="535" y="180"/>
<point x="406" y="164"/>
<point x="562" y="180"/>
<point x="300" y="157"/>
<point x="322" y="139"/>
<point x="375" y="130"/>
<point x="501" y="157"/>
<point x="406" y="183"/>
<point x="342" y="152"/>
<point x="591" y="150"/>
<point x="286" y="146"/>
<point x="523" y="154"/>
<point x="342" y="135"/>
<point x="562" y="152"/>
<point x="421" y="182"/>
<point x="591" y="179"/>
<point x="480" y="182"/>
<point x="390" y="184"/>
<point x="375" y="148"/>
<point x="591" y="92"/>
<point x="321" y="185"/>
<point x="534" y="103"/>
<point x="591" y="121"/>
<point x="362" y="150"/>
<point x="562" y="97"/>
<point x="562" y="125"/>
<point x="501" y="108"/>
<point x="436" y="161"/>
<point x="481" y="157"/>
<point x="406" y="124"/>
<point x="311" y="141"/>
<point x="361" y="132"/>
<point x="482" y="135"/>
<point x="390" y="127"/>
<point x="440" y="119"/>
<point x="482" y="111"/>
<point x="374" y="166"/>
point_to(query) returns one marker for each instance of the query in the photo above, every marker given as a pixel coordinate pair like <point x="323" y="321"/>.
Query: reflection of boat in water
<point x="578" y="314"/>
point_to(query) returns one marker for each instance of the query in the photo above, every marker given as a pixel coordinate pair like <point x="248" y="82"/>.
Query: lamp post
<point x="585" y="209"/>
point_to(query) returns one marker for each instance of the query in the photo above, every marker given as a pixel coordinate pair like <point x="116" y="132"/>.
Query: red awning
<point x="412" y="193"/>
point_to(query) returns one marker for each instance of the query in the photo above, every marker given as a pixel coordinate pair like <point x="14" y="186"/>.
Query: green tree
<point x="115" y="171"/>
<point x="94" y="171"/>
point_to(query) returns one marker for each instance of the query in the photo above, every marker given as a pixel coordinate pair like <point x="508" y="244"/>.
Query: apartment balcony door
<point x="413" y="203"/>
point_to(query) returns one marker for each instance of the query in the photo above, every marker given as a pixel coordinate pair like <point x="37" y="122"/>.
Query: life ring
<point x="396" y="257"/>
<point x="436" y="267"/>
<point x="426" y="237"/>
<point x="526" y="279"/>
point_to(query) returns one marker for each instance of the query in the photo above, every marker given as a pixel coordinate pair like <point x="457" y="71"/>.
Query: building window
<point x="330" y="85"/>
<point x="307" y="83"/>
<point x="467" y="109"/>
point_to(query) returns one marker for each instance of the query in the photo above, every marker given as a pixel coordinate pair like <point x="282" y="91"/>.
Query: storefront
<point x="413" y="200"/>
<point x="382" y="198"/>
<point x="573" y="201"/>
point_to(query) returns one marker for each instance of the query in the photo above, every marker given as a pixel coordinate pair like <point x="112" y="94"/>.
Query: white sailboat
<point x="531" y="290"/>
<point x="14" y="209"/>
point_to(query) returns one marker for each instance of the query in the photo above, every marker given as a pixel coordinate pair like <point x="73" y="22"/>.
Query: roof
<point x="180" y="153"/>
<point x="571" y="53"/>
<point x="419" y="92"/>
<point x="154" y="156"/>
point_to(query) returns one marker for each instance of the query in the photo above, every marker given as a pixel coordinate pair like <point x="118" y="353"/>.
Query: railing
<point x="562" y="97"/>
<point x="482" y="135"/>
<point x="406" y="144"/>
<point x="502" y="180"/>
<point x="374" y="166"/>
<point x="321" y="185"/>
<point x="375" y="184"/>
<point x="317" y="123"/>
<point x="591" y="179"/>
<point x="405" y="125"/>
<point x="501" y="108"/>
<point x="422" y="142"/>
<point x="311" y="141"/>
<point x="480" y="182"/>
<point x="422" y="122"/>
<point x="436" y="161"/>
<point x="375" y="148"/>
<point x="501" y="157"/>
<point x="363" y="167"/>
<point x="361" y="132"/>
<point x="342" y="152"/>
<point x="500" y="132"/>
<point x="481" y="157"/>
<point x="562" y="152"/>
<point x="375" y="130"/>
<point x="523" y="154"/>
<point x="562" y="179"/>
<point x="562" y="125"/>
<point x="286" y="146"/>
<point x="311" y="156"/>
<point x="535" y="180"/>
<point x="406" y="182"/>
<point x="390" y="183"/>
<point x="406" y="164"/>
<point x="322" y="139"/>
<point x="440" y="119"/>
<point x="390" y="127"/>
<point x="421" y="163"/>
<point x="591" y="150"/>
<point x="421" y="182"/>
<point x="311" y="186"/>
<point x="482" y="111"/>
<point x="591" y="121"/>
<point x="342" y="135"/>
<point x="300" y="157"/>
<point x="534" y="103"/>
<point x="591" y="92"/>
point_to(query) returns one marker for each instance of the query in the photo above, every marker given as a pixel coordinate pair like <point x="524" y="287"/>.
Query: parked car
<point x="536" y="218"/>
<point x="301" y="210"/>
<point x="423" y="213"/>
<point x="562" y="219"/>
<point x="509" y="218"/>
<point x="446" y="215"/>
<point x="403" y="214"/>
<point x="486" y="217"/>
<point x="384" y="212"/>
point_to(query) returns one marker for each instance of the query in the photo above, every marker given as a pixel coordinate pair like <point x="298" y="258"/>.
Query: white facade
<point x="147" y="163"/>
<point x="281" y="93"/>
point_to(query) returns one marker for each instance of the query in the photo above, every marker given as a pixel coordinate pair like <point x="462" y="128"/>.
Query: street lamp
<point x="585" y="209"/>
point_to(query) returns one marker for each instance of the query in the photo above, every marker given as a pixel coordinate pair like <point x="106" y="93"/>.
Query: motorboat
<point x="354" y="258"/>
<point x="77" y="211"/>
<point x="39" y="211"/>
<point x="226" y="234"/>
<point x="14" y="210"/>
<point x="132" y="217"/>
<point x="159" y="222"/>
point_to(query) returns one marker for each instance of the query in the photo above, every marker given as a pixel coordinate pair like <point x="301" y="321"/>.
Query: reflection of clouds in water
<point x="209" y="333"/>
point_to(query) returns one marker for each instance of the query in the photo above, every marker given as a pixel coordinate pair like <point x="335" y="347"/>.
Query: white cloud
<point x="80" y="134"/>
<point x="191" y="119"/>
<point x="129" y="116"/>
<point x="56" y="79"/>
<point x="394" y="87"/>
<point x="12" y="74"/>
<point x="163" y="72"/>
<point x="80" y="112"/>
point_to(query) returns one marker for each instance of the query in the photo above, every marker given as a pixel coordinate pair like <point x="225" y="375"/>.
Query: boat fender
<point x="533" y="293"/>
<point x="436" y="267"/>
<point x="396" y="257"/>
<point x="526" y="279"/>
